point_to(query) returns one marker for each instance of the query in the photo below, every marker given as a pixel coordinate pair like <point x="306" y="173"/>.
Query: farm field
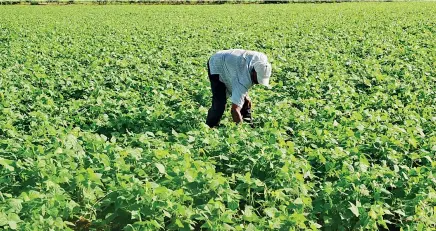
<point x="102" y="112"/>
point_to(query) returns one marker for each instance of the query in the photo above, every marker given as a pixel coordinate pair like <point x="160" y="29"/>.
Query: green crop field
<point x="102" y="112"/>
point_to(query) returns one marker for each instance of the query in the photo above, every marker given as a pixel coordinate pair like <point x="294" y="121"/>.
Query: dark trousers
<point x="219" y="99"/>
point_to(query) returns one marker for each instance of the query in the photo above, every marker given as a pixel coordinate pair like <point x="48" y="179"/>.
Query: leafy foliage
<point x="103" y="110"/>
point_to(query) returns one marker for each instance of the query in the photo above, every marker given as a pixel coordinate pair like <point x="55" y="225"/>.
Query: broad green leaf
<point x="160" y="167"/>
<point x="179" y="223"/>
<point x="354" y="209"/>
<point x="12" y="225"/>
<point x="3" y="219"/>
<point x="6" y="164"/>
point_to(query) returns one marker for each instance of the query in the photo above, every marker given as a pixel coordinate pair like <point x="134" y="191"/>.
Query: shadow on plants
<point x="140" y="123"/>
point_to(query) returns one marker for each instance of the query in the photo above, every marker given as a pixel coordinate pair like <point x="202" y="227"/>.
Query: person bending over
<point x="232" y="73"/>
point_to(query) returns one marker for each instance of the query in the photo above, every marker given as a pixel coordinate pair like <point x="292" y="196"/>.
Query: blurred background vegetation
<point x="44" y="2"/>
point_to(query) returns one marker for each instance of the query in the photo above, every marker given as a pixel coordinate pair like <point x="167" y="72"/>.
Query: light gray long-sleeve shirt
<point x="234" y="67"/>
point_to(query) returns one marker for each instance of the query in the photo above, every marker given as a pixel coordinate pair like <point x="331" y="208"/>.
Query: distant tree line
<point x="41" y="2"/>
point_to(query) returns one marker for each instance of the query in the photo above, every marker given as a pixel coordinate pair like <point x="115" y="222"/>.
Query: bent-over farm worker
<point x="232" y="73"/>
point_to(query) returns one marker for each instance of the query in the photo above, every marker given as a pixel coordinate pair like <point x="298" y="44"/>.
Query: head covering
<point x="263" y="70"/>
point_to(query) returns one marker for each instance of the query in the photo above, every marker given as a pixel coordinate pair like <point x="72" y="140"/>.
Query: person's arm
<point x="239" y="90"/>
<point x="236" y="113"/>
<point x="238" y="98"/>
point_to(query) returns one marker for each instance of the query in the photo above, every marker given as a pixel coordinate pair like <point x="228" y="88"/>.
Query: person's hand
<point x="248" y="104"/>
<point x="236" y="113"/>
<point x="246" y="111"/>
